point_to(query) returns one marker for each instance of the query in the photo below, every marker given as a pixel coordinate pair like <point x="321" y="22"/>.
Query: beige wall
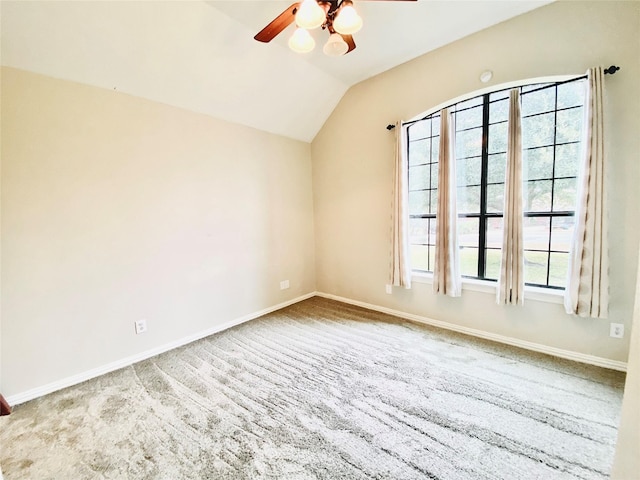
<point x="116" y="208"/>
<point x="353" y="167"/>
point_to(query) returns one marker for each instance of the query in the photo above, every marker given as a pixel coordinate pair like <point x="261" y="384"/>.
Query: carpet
<point x="324" y="390"/>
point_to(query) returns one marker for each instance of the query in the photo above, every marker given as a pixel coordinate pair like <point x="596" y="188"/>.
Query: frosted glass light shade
<point x="347" y="21"/>
<point x="310" y="15"/>
<point x="335" y="46"/>
<point x="301" y="41"/>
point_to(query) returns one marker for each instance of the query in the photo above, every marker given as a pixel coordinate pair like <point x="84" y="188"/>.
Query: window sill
<point x="539" y="294"/>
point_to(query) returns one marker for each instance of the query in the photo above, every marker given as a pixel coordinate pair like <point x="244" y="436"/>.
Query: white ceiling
<point x="202" y="56"/>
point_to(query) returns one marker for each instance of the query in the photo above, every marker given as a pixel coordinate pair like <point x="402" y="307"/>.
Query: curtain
<point x="587" y="292"/>
<point x="446" y="271"/>
<point x="400" y="268"/>
<point x="511" y="281"/>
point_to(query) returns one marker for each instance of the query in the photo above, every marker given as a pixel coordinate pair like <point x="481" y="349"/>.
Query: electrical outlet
<point x="141" y="326"/>
<point x="616" y="330"/>
<point x="388" y="289"/>
<point x="284" y="284"/>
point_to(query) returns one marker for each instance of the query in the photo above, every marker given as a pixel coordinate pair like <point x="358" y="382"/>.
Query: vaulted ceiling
<point x="201" y="55"/>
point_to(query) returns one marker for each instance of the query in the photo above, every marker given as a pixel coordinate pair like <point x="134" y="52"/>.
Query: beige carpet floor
<point x="325" y="390"/>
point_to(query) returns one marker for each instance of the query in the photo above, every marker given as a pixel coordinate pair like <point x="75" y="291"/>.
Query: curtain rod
<point x="611" y="70"/>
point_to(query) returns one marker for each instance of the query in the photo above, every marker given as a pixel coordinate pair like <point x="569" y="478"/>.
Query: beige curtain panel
<point x="446" y="271"/>
<point x="511" y="281"/>
<point x="400" y="268"/>
<point x="587" y="292"/>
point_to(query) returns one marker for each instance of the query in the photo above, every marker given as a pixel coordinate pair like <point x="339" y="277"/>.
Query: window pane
<point x="567" y="157"/>
<point x="470" y="103"/>
<point x="536" y="233"/>
<point x="468" y="200"/>
<point x="535" y="267"/>
<point x="571" y="94"/>
<point x="433" y="207"/>
<point x="468" y="231"/>
<point x="534" y="86"/>
<point x="558" y="265"/>
<point x="537" y="131"/>
<point x="468" y="171"/>
<point x="492" y="267"/>
<point x="469" y="143"/>
<point x="419" y="177"/>
<point x="569" y="125"/>
<point x="469" y="261"/>
<point x="419" y="129"/>
<point x="539" y="101"/>
<point x="537" y="163"/>
<point x="435" y="125"/>
<point x="420" y="259"/>
<point x="537" y="196"/>
<point x="419" y="231"/>
<point x="564" y="195"/>
<point x="494" y="233"/>
<point x="499" y="95"/>
<point x="418" y="202"/>
<point x="496" y="170"/>
<point x="499" y="111"/>
<point x="435" y="148"/>
<point x="495" y="198"/>
<point x="419" y="151"/>
<point x="434" y="175"/>
<point x="498" y="138"/>
<point x="562" y="233"/>
<point x="469" y="118"/>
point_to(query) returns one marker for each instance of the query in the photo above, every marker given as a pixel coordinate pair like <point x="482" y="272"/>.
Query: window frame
<point x="484" y="215"/>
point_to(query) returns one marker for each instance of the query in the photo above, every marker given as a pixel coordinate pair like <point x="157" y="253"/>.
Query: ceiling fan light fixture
<point x="301" y="41"/>
<point x="347" y="21"/>
<point x="310" y="15"/>
<point x="335" y="46"/>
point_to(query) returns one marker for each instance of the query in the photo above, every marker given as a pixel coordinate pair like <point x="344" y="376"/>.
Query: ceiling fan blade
<point x="350" y="42"/>
<point x="278" y="24"/>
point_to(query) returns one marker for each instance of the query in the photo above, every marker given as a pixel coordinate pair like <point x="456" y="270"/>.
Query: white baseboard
<point x="125" y="362"/>
<point x="536" y="347"/>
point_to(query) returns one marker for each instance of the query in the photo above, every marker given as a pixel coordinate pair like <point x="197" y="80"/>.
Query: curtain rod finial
<point x="611" y="70"/>
<point x="390" y="127"/>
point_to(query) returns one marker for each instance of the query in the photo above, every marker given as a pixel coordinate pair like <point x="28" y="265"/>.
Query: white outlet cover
<point x="616" y="330"/>
<point x="141" y="326"/>
<point x="388" y="289"/>
<point x="284" y="284"/>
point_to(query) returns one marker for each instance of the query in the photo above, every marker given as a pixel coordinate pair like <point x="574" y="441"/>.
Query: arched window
<point x="552" y="116"/>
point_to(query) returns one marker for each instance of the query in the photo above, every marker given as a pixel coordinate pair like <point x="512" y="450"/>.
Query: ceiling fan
<point x="337" y="16"/>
